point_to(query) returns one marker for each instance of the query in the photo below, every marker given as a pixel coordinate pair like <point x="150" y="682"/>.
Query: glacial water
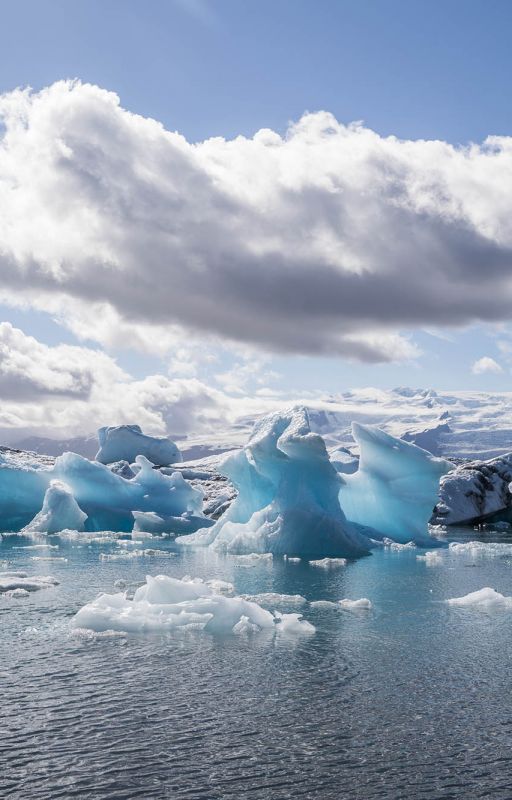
<point x="409" y="700"/>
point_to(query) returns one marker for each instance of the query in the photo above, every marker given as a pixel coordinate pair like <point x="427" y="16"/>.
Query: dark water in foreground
<point x="410" y="700"/>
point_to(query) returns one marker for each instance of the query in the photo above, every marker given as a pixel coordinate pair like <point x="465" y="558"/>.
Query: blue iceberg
<point x="288" y="496"/>
<point x="395" y="488"/>
<point x="126" y="442"/>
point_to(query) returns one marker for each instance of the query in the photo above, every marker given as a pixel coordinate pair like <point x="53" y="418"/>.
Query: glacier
<point x="126" y="442"/>
<point x="395" y="488"/>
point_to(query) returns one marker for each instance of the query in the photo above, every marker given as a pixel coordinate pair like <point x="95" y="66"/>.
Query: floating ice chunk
<point x="149" y="522"/>
<point x="36" y="547"/>
<point x="244" y="625"/>
<point x="147" y="553"/>
<point x="391" y="545"/>
<point x="329" y="563"/>
<point x="126" y="442"/>
<point x="276" y="599"/>
<point x="293" y="623"/>
<point x="475" y="549"/>
<point x="60" y="511"/>
<point x="483" y="600"/>
<point x="9" y="581"/>
<point x="355" y="605"/>
<point x="293" y="559"/>
<point x="16" y="593"/>
<point x="166" y="604"/>
<point x="49" y="558"/>
<point x="324" y="604"/>
<point x="253" y="559"/>
<point x="288" y="496"/>
<point x="395" y="488"/>
<point x="432" y="558"/>
<point x="224" y="587"/>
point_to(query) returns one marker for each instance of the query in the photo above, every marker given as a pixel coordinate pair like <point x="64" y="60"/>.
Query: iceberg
<point x="166" y="604"/>
<point x="395" y="488"/>
<point x="288" y="496"/>
<point x="60" y="511"/>
<point x="126" y="442"/>
<point x="482" y="600"/>
<point x="59" y="497"/>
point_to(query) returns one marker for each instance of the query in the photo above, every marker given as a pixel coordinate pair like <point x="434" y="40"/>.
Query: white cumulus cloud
<point x="486" y="364"/>
<point x="328" y="240"/>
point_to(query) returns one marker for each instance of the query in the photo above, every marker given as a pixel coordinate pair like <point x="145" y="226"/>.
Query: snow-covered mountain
<point x="461" y="425"/>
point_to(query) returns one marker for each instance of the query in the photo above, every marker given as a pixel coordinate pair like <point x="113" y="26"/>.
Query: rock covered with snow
<point x="395" y="487"/>
<point x="288" y="496"/>
<point x="472" y="492"/>
<point x="126" y="442"/>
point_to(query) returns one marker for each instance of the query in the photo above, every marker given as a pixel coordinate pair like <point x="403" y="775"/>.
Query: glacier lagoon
<point x="407" y="699"/>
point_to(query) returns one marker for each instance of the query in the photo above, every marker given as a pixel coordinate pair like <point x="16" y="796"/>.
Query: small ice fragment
<point x="253" y="559"/>
<point x="329" y="563"/>
<point x="223" y="587"/>
<point x="16" y="593"/>
<point x="293" y="623"/>
<point x="324" y="604"/>
<point x="391" y="545"/>
<point x="431" y="558"/>
<point x="276" y="599"/>
<point x="244" y="625"/>
<point x="482" y="600"/>
<point x="355" y="605"/>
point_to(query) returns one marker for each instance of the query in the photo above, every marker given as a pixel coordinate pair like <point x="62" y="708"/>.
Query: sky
<point x="206" y="205"/>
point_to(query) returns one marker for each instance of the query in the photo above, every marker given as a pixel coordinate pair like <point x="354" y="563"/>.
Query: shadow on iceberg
<point x="287" y="501"/>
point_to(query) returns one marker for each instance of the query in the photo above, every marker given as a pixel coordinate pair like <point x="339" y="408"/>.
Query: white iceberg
<point x="396" y="487"/>
<point x="166" y="604"/>
<point x="12" y="581"/>
<point x="126" y="442"/>
<point x="482" y="600"/>
<point x="288" y="501"/>
<point x="363" y="604"/>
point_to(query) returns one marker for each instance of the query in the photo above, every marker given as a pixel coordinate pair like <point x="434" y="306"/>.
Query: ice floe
<point x="355" y="605"/>
<point x="483" y="599"/>
<point x="166" y="604"/>
<point x="10" y="581"/>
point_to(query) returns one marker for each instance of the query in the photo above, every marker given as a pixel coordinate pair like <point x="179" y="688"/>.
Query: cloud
<point x="331" y="240"/>
<point x="31" y="371"/>
<point x="65" y="389"/>
<point x="486" y="364"/>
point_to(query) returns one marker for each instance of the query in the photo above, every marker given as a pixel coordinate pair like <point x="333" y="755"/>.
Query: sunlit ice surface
<point x="408" y="698"/>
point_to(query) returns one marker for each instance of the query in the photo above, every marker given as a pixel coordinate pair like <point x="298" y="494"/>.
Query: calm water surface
<point x="410" y="700"/>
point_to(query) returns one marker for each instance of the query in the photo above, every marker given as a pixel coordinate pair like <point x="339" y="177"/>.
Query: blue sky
<point x="417" y="70"/>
